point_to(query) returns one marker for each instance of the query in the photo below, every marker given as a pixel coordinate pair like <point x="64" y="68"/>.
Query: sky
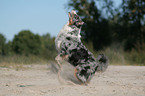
<point x="38" y="16"/>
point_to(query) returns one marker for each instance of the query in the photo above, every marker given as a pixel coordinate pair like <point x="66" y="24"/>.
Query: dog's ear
<point x="70" y="19"/>
<point x="69" y="14"/>
<point x="73" y="12"/>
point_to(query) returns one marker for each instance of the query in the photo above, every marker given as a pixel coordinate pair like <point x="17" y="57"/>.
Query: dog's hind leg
<point x="82" y="83"/>
<point x="61" y="80"/>
<point x="59" y="59"/>
<point x="75" y="75"/>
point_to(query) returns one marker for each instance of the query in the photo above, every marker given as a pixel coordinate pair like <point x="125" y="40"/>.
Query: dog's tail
<point x="103" y="63"/>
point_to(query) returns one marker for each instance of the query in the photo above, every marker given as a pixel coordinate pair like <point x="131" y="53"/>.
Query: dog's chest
<point x="66" y="32"/>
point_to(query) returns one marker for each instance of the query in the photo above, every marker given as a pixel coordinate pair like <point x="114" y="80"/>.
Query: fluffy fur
<point x="70" y="48"/>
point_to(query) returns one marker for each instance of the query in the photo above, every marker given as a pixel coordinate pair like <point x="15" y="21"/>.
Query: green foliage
<point x="136" y="55"/>
<point x="132" y="29"/>
<point x="48" y="50"/>
<point x="22" y="59"/>
<point x="117" y="56"/>
<point x="96" y="28"/>
<point x="26" y="43"/>
<point x="126" y="27"/>
<point x="106" y="30"/>
<point x="27" y="48"/>
<point x="8" y="51"/>
<point x="2" y="44"/>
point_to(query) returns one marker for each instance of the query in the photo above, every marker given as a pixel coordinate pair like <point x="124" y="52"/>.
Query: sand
<point x="42" y="80"/>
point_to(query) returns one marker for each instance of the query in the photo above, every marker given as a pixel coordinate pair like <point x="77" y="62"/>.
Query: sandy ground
<point x="42" y="80"/>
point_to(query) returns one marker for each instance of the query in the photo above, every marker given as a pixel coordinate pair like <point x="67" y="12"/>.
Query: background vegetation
<point x="119" y="32"/>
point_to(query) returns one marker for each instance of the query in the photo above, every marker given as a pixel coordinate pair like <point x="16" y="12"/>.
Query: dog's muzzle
<point x="80" y="23"/>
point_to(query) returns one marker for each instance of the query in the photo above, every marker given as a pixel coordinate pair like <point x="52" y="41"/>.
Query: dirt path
<point x="41" y="80"/>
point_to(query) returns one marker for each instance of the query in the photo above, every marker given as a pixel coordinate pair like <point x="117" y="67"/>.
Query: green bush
<point x="26" y="43"/>
<point x="117" y="56"/>
<point x="136" y="56"/>
<point x="48" y="50"/>
<point x="2" y="44"/>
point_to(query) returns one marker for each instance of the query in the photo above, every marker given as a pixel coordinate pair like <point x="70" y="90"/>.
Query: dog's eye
<point x="76" y="17"/>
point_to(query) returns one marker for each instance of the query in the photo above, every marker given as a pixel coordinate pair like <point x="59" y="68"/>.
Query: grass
<point x="135" y="57"/>
<point x="117" y="56"/>
<point x="18" y="61"/>
<point x="17" y="67"/>
<point x="120" y="57"/>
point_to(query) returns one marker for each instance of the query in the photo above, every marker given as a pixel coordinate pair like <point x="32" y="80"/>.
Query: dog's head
<point x="74" y="19"/>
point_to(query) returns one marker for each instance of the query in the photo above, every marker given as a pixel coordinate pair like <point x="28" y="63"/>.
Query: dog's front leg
<point x="58" y="58"/>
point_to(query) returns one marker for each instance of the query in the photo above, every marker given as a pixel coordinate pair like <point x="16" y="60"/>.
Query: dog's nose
<point x="81" y="23"/>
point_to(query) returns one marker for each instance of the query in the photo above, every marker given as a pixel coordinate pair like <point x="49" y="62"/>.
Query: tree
<point x="26" y="43"/>
<point x="106" y="24"/>
<point x="133" y="28"/>
<point x="8" y="48"/>
<point x="48" y="46"/>
<point x="2" y="44"/>
<point x="96" y="28"/>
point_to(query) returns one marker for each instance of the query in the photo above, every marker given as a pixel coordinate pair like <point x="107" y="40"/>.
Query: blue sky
<point x="38" y="16"/>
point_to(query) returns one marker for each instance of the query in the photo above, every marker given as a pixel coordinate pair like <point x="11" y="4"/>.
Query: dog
<point x="70" y="48"/>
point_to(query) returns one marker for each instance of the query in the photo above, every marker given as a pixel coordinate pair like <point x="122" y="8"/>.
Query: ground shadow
<point x="53" y="67"/>
<point x="73" y="79"/>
